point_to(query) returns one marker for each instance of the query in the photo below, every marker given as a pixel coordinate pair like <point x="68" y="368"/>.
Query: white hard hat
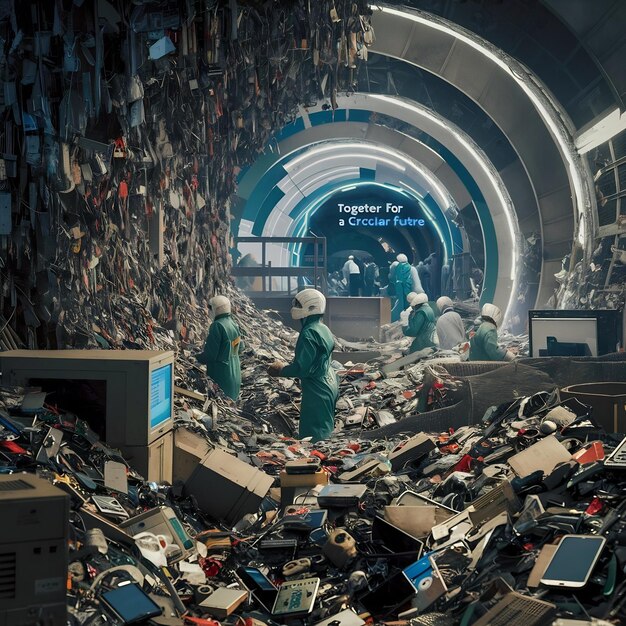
<point x="444" y="303"/>
<point x="410" y="296"/>
<point x="415" y="299"/>
<point x="219" y="305"/>
<point x="492" y="312"/>
<point x="402" y="258"/>
<point x="350" y="258"/>
<point x="308" y="302"/>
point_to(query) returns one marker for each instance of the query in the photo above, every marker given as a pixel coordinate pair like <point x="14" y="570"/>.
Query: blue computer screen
<point x="160" y="395"/>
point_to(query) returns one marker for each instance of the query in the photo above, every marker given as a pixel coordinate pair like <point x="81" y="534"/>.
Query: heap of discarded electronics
<point x="115" y="244"/>
<point x="387" y="521"/>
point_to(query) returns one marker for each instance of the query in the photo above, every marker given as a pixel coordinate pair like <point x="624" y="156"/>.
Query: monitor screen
<point x="565" y="330"/>
<point x="160" y="395"/>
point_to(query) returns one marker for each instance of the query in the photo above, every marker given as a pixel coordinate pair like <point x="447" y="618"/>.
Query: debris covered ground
<point x="434" y="527"/>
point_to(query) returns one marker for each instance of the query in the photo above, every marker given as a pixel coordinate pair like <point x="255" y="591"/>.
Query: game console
<point x="341" y="495"/>
<point x="303" y="466"/>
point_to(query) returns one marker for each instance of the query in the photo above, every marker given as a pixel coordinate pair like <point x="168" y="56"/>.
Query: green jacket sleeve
<point x="303" y="359"/>
<point x="416" y="323"/>
<point x="491" y="346"/>
<point x="213" y="344"/>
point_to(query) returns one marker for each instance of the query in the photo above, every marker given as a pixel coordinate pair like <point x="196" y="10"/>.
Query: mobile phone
<point x="131" y="604"/>
<point x="260" y="585"/>
<point x="573" y="561"/>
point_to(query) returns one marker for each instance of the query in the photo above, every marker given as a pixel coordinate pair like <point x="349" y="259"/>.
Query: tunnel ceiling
<point x="576" y="47"/>
<point x="527" y="138"/>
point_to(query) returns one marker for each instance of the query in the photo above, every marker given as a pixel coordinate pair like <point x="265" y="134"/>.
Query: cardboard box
<point x="303" y="480"/>
<point x="189" y="450"/>
<point x="226" y="488"/>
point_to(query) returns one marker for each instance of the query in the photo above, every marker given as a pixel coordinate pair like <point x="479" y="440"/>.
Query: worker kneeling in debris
<point x="450" y="328"/>
<point x="484" y="343"/>
<point x="221" y="349"/>
<point x="421" y="322"/>
<point x="311" y="365"/>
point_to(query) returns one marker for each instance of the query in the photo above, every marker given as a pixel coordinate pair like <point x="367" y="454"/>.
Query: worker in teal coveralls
<point x="421" y="323"/>
<point x="221" y="349"/>
<point x="484" y="343"/>
<point x="403" y="285"/>
<point x="311" y="365"/>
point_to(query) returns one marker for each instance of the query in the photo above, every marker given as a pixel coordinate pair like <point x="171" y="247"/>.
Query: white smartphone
<point x="573" y="561"/>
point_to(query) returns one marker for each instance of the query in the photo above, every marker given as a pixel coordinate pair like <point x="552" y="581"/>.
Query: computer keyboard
<point x="617" y="458"/>
<point x="518" y="610"/>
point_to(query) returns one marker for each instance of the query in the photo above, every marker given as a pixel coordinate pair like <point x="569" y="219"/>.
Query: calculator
<point x="296" y="597"/>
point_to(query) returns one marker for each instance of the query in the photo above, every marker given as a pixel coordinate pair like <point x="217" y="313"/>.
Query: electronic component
<point x="574" y="560"/>
<point x="296" y="597"/>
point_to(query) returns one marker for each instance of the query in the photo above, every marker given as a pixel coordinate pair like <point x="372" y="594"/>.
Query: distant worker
<point x="222" y="347"/>
<point x="371" y="279"/>
<point x="403" y="285"/>
<point x="423" y="272"/>
<point x="450" y="327"/>
<point x="352" y="276"/>
<point x="311" y="364"/>
<point x="434" y="275"/>
<point x="421" y="323"/>
<point x="446" y="277"/>
<point x="484" y="343"/>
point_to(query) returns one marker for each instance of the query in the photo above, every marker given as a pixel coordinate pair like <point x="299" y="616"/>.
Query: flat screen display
<point x="131" y="603"/>
<point x="160" y="395"/>
<point x="566" y="330"/>
<point x="573" y="560"/>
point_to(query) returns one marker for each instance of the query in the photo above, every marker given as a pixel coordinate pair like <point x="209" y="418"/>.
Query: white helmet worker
<point x="444" y="303"/>
<point x="402" y="258"/>
<point x="308" y="302"/>
<point x="415" y="299"/>
<point x="219" y="305"/>
<point x="493" y="313"/>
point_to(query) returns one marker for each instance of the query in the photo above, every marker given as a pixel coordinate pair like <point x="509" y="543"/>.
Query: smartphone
<point x="260" y="585"/>
<point x="573" y="561"/>
<point x="131" y="604"/>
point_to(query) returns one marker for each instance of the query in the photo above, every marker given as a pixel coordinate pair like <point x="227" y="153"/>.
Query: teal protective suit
<point x="403" y="282"/>
<point x="422" y="327"/>
<point x="221" y="354"/>
<point x="484" y="344"/>
<point x="320" y="388"/>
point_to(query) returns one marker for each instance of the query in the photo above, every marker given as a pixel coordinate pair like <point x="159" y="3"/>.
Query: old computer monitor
<point x="599" y="332"/>
<point x="126" y="396"/>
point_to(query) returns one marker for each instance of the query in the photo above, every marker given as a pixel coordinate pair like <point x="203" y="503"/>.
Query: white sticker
<point x="48" y="585"/>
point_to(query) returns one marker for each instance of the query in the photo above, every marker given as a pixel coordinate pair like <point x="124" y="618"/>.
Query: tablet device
<point x="259" y="584"/>
<point x="130" y="603"/>
<point x="573" y="561"/>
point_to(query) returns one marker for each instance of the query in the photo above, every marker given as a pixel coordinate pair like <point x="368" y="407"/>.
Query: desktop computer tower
<point x="33" y="551"/>
<point x="154" y="461"/>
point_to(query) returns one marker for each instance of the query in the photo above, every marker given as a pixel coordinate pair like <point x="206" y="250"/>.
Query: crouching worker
<point x="484" y="343"/>
<point x="222" y="347"/>
<point x="450" y="327"/>
<point x="312" y="365"/>
<point x="421" y="323"/>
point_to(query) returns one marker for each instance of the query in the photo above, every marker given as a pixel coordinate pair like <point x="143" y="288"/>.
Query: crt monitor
<point x="575" y="332"/>
<point x="160" y="395"/>
<point x="126" y="396"/>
